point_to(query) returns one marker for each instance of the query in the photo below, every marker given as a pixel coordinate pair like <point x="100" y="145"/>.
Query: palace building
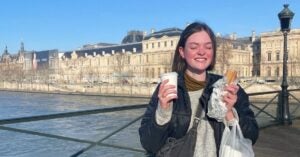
<point x="272" y="54"/>
<point x="142" y="58"/>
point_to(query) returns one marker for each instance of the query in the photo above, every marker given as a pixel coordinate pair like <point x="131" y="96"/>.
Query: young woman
<point x="170" y="113"/>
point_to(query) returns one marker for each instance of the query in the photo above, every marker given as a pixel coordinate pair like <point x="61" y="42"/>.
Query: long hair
<point x="179" y="63"/>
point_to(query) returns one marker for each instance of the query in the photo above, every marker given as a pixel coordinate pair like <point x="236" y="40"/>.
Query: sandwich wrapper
<point x="216" y="107"/>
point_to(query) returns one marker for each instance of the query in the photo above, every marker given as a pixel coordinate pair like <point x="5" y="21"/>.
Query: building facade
<point x="140" y="59"/>
<point x="272" y="54"/>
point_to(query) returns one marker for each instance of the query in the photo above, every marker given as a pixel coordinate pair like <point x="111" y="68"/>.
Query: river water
<point x="89" y="127"/>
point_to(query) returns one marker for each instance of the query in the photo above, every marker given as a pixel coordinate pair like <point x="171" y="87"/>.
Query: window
<point x="128" y="59"/>
<point x="152" y="45"/>
<point x="165" y="43"/>
<point x="146" y="46"/>
<point x="268" y="71"/>
<point x="277" y="56"/>
<point x="158" y="44"/>
<point x="152" y="73"/>
<point x="269" y="56"/>
<point x="277" y="72"/>
<point x="147" y="72"/>
<point x="158" y="72"/>
<point x="171" y="42"/>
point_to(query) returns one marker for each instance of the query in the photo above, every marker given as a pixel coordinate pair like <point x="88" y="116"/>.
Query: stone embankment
<point x="141" y="90"/>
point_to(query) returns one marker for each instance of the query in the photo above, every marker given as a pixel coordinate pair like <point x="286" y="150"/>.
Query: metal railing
<point x="73" y="114"/>
<point x="268" y="109"/>
<point x="264" y="108"/>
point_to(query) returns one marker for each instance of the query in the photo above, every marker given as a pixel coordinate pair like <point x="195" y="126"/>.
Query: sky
<point x="69" y="24"/>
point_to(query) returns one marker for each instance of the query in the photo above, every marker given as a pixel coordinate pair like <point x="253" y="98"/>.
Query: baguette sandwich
<point x="231" y="76"/>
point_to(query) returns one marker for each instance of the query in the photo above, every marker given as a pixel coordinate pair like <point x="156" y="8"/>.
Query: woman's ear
<point x="181" y="51"/>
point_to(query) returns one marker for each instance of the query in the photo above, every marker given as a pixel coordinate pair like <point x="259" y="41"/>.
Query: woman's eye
<point x="193" y="47"/>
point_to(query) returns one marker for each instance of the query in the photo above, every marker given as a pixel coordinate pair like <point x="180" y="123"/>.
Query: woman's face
<point x="198" y="52"/>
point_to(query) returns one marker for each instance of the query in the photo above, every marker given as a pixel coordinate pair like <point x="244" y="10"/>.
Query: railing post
<point x="286" y="117"/>
<point x="279" y="112"/>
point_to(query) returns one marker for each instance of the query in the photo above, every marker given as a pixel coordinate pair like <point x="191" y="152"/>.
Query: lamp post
<point x="285" y="17"/>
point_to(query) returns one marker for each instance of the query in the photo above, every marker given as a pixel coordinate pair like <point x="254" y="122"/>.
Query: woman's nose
<point x="201" y="50"/>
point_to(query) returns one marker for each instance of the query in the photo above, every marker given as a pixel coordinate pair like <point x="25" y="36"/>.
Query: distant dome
<point x="133" y="37"/>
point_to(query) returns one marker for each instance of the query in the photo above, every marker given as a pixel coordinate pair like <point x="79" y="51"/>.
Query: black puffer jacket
<point x="153" y="136"/>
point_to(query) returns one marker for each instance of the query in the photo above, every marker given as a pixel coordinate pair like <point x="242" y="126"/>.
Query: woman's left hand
<point x="230" y="99"/>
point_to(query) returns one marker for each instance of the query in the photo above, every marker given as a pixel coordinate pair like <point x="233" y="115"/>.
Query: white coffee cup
<point x="172" y="77"/>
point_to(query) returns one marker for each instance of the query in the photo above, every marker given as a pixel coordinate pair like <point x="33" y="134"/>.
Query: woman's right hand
<point x="166" y="93"/>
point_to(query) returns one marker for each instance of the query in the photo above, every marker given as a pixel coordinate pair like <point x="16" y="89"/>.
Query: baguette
<point x="231" y="75"/>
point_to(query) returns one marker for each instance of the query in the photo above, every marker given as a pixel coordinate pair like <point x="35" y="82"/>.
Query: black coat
<point x="153" y="136"/>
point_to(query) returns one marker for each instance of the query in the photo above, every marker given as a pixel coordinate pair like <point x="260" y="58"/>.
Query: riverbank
<point x="75" y="93"/>
<point x="116" y="90"/>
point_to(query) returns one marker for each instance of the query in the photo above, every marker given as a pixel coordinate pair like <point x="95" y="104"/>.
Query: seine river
<point x="88" y="127"/>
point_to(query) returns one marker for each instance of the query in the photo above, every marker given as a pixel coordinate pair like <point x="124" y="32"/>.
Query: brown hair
<point x="179" y="64"/>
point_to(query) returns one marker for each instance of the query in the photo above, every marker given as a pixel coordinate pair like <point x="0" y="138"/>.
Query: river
<point x="89" y="127"/>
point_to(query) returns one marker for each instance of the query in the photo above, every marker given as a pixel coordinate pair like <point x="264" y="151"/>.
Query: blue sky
<point x="69" y="24"/>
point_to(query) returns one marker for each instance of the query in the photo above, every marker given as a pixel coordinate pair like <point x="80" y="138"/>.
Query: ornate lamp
<point x="285" y="17"/>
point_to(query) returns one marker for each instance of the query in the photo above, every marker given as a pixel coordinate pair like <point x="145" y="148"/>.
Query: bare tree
<point x="294" y="65"/>
<point x="119" y="66"/>
<point x="224" y="47"/>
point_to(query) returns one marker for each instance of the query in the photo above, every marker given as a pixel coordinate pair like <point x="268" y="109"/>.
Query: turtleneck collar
<point x="193" y="84"/>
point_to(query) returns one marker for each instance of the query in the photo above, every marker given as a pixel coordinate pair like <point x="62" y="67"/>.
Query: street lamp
<point x="285" y="17"/>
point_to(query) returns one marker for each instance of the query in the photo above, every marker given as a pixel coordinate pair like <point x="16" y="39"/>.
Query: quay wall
<point x="143" y="90"/>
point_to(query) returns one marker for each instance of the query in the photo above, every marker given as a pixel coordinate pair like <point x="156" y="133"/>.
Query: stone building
<point x="103" y="62"/>
<point x="272" y="55"/>
<point x="158" y="52"/>
<point x="11" y="66"/>
<point x="140" y="59"/>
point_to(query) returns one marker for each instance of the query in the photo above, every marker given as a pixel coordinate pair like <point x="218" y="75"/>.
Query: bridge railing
<point x="264" y="104"/>
<point x="267" y="105"/>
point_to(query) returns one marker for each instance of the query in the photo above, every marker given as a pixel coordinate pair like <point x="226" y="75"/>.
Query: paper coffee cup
<point x="171" y="76"/>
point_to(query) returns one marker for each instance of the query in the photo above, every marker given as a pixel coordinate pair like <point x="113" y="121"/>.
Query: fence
<point x="266" y="111"/>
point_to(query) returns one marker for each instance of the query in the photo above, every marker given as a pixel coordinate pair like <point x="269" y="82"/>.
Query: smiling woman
<point x="178" y="125"/>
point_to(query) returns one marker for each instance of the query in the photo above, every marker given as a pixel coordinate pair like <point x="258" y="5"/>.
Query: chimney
<point x="152" y="30"/>
<point x="253" y="36"/>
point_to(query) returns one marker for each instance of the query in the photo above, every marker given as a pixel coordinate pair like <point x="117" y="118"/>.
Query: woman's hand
<point x="166" y="93"/>
<point x="230" y="99"/>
